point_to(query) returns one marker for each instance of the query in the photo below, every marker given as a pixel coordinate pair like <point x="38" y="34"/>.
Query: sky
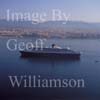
<point x="81" y="10"/>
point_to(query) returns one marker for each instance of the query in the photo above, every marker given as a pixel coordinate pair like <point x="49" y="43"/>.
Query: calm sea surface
<point x="87" y="68"/>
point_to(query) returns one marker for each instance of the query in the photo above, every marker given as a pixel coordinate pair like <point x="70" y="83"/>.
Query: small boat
<point x="54" y="52"/>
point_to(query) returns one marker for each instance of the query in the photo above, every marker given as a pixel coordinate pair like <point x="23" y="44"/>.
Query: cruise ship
<point x="53" y="52"/>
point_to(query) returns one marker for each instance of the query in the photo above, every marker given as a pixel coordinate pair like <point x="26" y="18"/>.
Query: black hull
<point x="50" y="55"/>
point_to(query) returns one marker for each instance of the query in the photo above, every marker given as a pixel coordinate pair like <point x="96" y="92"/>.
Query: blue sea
<point x="87" y="68"/>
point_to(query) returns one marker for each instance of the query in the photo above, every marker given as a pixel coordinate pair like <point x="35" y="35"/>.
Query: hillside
<point x="74" y="29"/>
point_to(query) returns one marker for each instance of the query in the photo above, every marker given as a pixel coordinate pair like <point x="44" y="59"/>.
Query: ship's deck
<point x="51" y="50"/>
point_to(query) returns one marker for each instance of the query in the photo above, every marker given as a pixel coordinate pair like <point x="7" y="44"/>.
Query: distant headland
<point x="50" y="29"/>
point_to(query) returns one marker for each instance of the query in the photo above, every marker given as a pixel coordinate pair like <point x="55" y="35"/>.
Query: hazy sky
<point x="82" y="10"/>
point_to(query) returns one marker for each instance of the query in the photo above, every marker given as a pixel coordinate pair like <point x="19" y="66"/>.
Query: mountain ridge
<point x="51" y="28"/>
